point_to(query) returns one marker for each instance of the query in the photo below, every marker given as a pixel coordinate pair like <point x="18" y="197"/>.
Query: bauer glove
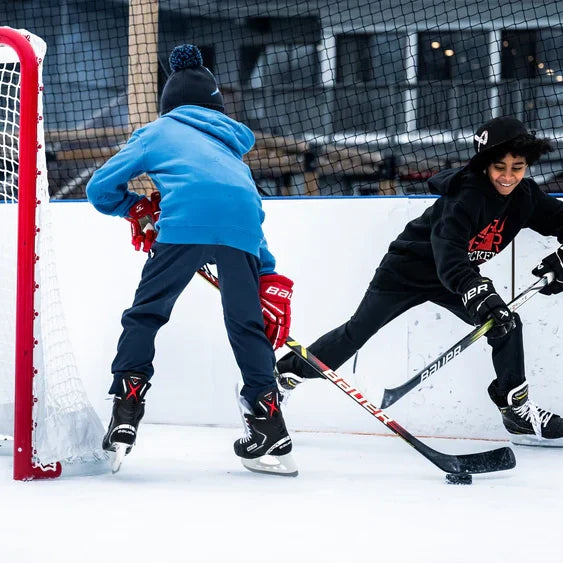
<point x="143" y="217"/>
<point x="483" y="303"/>
<point x="551" y="264"/>
<point x="275" y="298"/>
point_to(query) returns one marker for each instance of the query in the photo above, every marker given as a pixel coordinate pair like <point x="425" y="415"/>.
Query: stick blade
<point x="500" y="459"/>
<point x="391" y="396"/>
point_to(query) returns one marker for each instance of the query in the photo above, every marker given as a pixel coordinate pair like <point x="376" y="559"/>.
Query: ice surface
<point x="182" y="496"/>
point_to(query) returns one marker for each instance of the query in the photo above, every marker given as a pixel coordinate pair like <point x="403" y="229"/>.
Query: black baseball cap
<point x="495" y="133"/>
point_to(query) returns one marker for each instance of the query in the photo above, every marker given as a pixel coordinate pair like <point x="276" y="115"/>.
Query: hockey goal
<point x="45" y="416"/>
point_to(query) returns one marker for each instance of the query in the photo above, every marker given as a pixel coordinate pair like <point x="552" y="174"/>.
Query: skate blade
<point x="283" y="465"/>
<point x="118" y="455"/>
<point x="533" y="440"/>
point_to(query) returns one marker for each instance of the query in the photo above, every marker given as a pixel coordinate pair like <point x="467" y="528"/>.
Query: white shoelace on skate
<point x="537" y="416"/>
<point x="247" y="432"/>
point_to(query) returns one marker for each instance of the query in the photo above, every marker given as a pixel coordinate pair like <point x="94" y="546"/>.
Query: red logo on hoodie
<point x="487" y="243"/>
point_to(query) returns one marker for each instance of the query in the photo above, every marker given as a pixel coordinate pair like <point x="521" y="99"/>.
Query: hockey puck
<point x="459" y="478"/>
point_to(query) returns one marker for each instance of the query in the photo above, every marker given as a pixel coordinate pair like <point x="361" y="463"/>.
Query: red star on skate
<point x="272" y="406"/>
<point x="133" y="390"/>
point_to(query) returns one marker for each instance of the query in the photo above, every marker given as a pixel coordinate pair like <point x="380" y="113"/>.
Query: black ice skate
<point x="128" y="410"/>
<point x="529" y="424"/>
<point x="266" y="445"/>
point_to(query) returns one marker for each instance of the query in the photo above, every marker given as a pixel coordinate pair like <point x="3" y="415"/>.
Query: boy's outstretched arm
<point x="107" y="189"/>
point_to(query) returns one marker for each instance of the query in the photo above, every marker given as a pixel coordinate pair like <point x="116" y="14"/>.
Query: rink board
<point x="330" y="247"/>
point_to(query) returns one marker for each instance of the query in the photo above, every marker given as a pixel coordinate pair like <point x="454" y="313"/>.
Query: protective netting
<point x="346" y="97"/>
<point x="65" y="426"/>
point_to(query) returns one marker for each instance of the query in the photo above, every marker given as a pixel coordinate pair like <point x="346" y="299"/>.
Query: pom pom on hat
<point x="185" y="56"/>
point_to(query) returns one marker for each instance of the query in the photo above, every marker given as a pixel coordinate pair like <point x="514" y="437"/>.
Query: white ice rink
<point x="182" y="496"/>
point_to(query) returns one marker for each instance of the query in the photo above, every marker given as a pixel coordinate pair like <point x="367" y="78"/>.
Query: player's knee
<point x="356" y="334"/>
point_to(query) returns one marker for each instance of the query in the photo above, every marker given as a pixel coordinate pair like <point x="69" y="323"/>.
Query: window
<point x="370" y="81"/>
<point x="518" y="55"/>
<point x="549" y="54"/>
<point x="267" y="66"/>
<point x="453" y="56"/>
<point x="453" y="70"/>
<point x="459" y="78"/>
<point x="281" y="94"/>
<point x="549" y="96"/>
<point x="354" y="63"/>
<point x="532" y="73"/>
<point x="280" y="51"/>
<point x="363" y="58"/>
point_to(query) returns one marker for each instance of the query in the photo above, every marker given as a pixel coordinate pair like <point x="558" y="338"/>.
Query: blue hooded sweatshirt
<point x="194" y="157"/>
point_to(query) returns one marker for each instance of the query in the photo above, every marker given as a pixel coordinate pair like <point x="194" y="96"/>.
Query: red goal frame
<point x="24" y="467"/>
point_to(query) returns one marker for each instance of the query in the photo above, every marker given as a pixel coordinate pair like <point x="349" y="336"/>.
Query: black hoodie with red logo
<point x="470" y="224"/>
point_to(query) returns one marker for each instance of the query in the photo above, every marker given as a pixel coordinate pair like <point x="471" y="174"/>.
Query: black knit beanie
<point x="190" y="84"/>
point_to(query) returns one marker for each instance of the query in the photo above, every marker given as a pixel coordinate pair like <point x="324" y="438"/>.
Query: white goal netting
<point x="65" y="426"/>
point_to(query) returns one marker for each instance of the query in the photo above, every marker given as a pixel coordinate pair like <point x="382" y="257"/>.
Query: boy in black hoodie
<point x="436" y="258"/>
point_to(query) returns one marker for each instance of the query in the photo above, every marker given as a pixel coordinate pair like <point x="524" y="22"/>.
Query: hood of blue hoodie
<point x="237" y="136"/>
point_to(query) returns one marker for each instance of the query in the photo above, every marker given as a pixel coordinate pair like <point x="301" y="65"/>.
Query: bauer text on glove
<point x="275" y="298"/>
<point x="483" y="303"/>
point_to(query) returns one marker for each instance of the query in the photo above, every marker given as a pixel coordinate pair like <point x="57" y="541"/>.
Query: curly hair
<point x="528" y="146"/>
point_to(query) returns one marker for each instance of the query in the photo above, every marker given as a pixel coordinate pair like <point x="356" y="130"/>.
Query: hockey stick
<point x="499" y="459"/>
<point x="391" y="396"/>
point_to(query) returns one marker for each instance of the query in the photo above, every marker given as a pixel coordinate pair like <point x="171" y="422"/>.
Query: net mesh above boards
<point x="349" y="97"/>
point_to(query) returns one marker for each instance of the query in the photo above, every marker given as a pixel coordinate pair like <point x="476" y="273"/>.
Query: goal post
<point x="40" y="391"/>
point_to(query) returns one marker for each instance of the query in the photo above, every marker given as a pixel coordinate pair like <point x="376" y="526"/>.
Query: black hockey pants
<point x="167" y="271"/>
<point x="380" y="306"/>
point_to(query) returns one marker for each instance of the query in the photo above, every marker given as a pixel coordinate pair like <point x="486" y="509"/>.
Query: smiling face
<point x="505" y="174"/>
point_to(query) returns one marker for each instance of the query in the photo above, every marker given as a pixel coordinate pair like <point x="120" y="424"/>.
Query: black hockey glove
<point x="551" y="264"/>
<point x="483" y="303"/>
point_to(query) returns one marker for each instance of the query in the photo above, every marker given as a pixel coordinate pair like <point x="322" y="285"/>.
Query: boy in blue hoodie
<point x="436" y="258"/>
<point x="207" y="210"/>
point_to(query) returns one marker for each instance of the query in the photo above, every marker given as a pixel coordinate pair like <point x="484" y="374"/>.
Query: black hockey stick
<point x="391" y="396"/>
<point x="498" y="459"/>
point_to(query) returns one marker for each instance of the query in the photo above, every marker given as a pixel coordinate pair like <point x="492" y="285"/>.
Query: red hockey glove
<point x="551" y="264"/>
<point x="275" y="297"/>
<point x="143" y="216"/>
